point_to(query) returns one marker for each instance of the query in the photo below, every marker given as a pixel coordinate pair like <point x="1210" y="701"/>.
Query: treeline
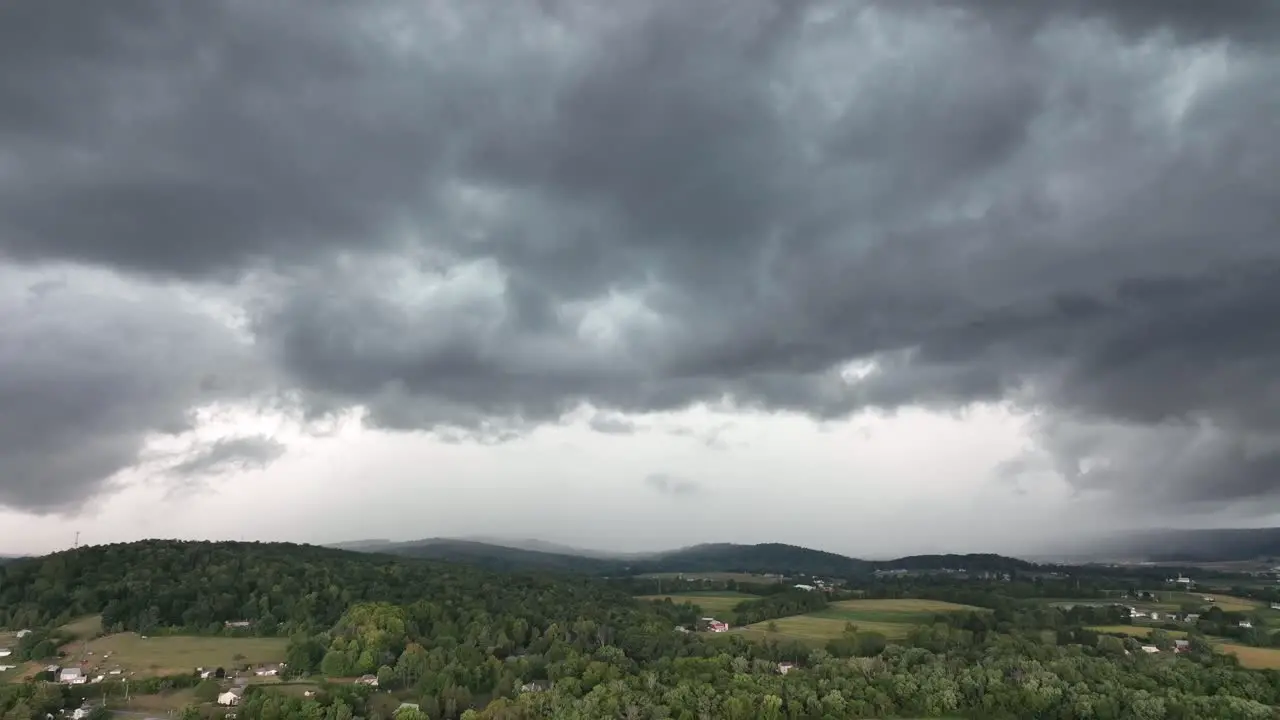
<point x="792" y="602"/>
<point x="279" y="589"/>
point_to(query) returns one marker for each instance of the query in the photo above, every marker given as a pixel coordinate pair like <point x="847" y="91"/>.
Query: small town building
<point x="231" y="697"/>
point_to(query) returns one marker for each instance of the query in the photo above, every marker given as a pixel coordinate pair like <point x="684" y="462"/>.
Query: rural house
<point x="370" y="680"/>
<point x="267" y="670"/>
<point x="785" y="667"/>
<point x="72" y="676"/>
<point x="231" y="697"/>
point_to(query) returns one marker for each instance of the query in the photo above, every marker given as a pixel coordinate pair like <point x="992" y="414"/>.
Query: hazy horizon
<point x="876" y="277"/>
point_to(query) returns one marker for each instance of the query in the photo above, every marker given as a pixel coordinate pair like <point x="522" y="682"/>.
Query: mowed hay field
<point x="911" y="611"/>
<point x="1253" y="657"/>
<point x="719" y="602"/>
<point x="1228" y="603"/>
<point x="169" y="654"/>
<point x="816" y="630"/>
<point x="1140" y="631"/>
<point x="891" y="618"/>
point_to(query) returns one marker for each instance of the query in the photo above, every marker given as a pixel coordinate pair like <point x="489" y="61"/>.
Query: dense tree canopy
<point x="461" y="642"/>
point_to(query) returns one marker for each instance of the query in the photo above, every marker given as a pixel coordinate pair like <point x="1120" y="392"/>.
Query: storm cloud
<point x="1072" y="211"/>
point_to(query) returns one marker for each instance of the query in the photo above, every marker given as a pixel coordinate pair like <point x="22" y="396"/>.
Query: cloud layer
<point x="1071" y="211"/>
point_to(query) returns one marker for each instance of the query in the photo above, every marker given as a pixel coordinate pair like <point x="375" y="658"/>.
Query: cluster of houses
<point x="1179" y="646"/>
<point x="714" y="625"/>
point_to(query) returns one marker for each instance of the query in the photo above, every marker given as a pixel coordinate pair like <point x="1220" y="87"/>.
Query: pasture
<point x="131" y="654"/>
<point x="1228" y="603"/>
<point x="909" y="611"/>
<point x="1138" y="631"/>
<point x="721" y="602"/>
<point x="84" y="628"/>
<point x="816" y="630"/>
<point x="1253" y="657"/>
<point x="718" y="577"/>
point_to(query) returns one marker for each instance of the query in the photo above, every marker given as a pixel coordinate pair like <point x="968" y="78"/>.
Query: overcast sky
<point x="877" y="277"/>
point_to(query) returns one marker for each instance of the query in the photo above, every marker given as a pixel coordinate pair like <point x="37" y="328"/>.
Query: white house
<point x="72" y="676"/>
<point x="785" y="667"/>
<point x="1149" y="649"/>
<point x="1246" y="624"/>
<point x="230" y="697"/>
<point x="807" y="588"/>
<point x="5" y="652"/>
<point x="22" y="633"/>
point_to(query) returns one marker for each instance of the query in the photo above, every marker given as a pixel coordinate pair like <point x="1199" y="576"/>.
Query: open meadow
<point x="1138" y="631"/>
<point x="1253" y="657"/>
<point x="719" y="603"/>
<point x="130" y="653"/>
<point x="1228" y="603"/>
<point x="815" y="630"/>
<point x="718" y="577"/>
<point x="908" y="611"/>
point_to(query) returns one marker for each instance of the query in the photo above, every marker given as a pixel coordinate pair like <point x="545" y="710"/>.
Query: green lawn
<point x="169" y="654"/>
<point x="713" y="603"/>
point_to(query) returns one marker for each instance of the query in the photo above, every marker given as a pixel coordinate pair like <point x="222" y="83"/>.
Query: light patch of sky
<point x="871" y="486"/>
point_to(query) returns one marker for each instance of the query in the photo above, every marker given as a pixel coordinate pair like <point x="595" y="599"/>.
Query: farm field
<point x="1253" y="657"/>
<point x="84" y="628"/>
<point x="816" y="630"/>
<point x="162" y="655"/>
<point x="1228" y="603"/>
<point x="1139" y="631"/>
<point x="718" y="576"/>
<point x="721" y="602"/>
<point x="909" y="611"/>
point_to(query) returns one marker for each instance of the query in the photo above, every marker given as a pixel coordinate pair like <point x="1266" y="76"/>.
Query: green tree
<point x="207" y="690"/>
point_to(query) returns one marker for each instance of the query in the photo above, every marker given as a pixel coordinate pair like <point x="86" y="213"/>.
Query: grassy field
<point x="162" y="655"/>
<point x="1253" y="657"/>
<point x="719" y="602"/>
<point x="1138" y="631"/>
<point x="908" y="611"/>
<point x="84" y="628"/>
<point x="719" y="576"/>
<point x="1228" y="603"/>
<point x="816" y="630"/>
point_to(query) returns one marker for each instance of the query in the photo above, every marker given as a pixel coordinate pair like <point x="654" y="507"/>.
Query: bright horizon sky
<point x="872" y="277"/>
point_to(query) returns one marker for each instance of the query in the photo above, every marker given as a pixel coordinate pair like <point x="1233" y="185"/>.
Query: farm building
<point x="806" y="588"/>
<point x="785" y="667"/>
<point x="22" y="633"/>
<point x="1149" y="649"/>
<point x="267" y="670"/>
<point x="370" y="680"/>
<point x="5" y="652"/>
<point x="231" y="697"/>
<point x="72" y="676"/>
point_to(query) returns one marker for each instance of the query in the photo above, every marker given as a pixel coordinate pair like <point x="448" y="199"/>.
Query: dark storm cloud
<point x="1248" y="20"/>
<point x="88" y="373"/>
<point x="1070" y="207"/>
<point x="230" y="454"/>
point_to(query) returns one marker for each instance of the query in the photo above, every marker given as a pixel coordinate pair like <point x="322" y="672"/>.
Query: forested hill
<point x="765" y="558"/>
<point x="279" y="588"/>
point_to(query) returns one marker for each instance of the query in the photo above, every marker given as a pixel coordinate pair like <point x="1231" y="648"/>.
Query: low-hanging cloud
<point x="1073" y="211"/>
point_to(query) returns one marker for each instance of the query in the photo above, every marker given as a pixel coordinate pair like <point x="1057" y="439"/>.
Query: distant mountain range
<point x="1185" y="546"/>
<point x="766" y="558"/>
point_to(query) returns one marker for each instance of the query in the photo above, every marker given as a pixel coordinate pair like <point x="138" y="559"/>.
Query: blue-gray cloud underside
<point x="1071" y="208"/>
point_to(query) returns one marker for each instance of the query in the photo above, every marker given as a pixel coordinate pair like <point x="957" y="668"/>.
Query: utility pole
<point x="77" y="542"/>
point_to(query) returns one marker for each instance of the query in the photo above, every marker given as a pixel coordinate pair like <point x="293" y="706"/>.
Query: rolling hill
<point x="762" y="559"/>
<point x="1187" y="545"/>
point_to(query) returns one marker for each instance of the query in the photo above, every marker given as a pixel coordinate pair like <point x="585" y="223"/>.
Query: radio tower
<point x="77" y="542"/>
